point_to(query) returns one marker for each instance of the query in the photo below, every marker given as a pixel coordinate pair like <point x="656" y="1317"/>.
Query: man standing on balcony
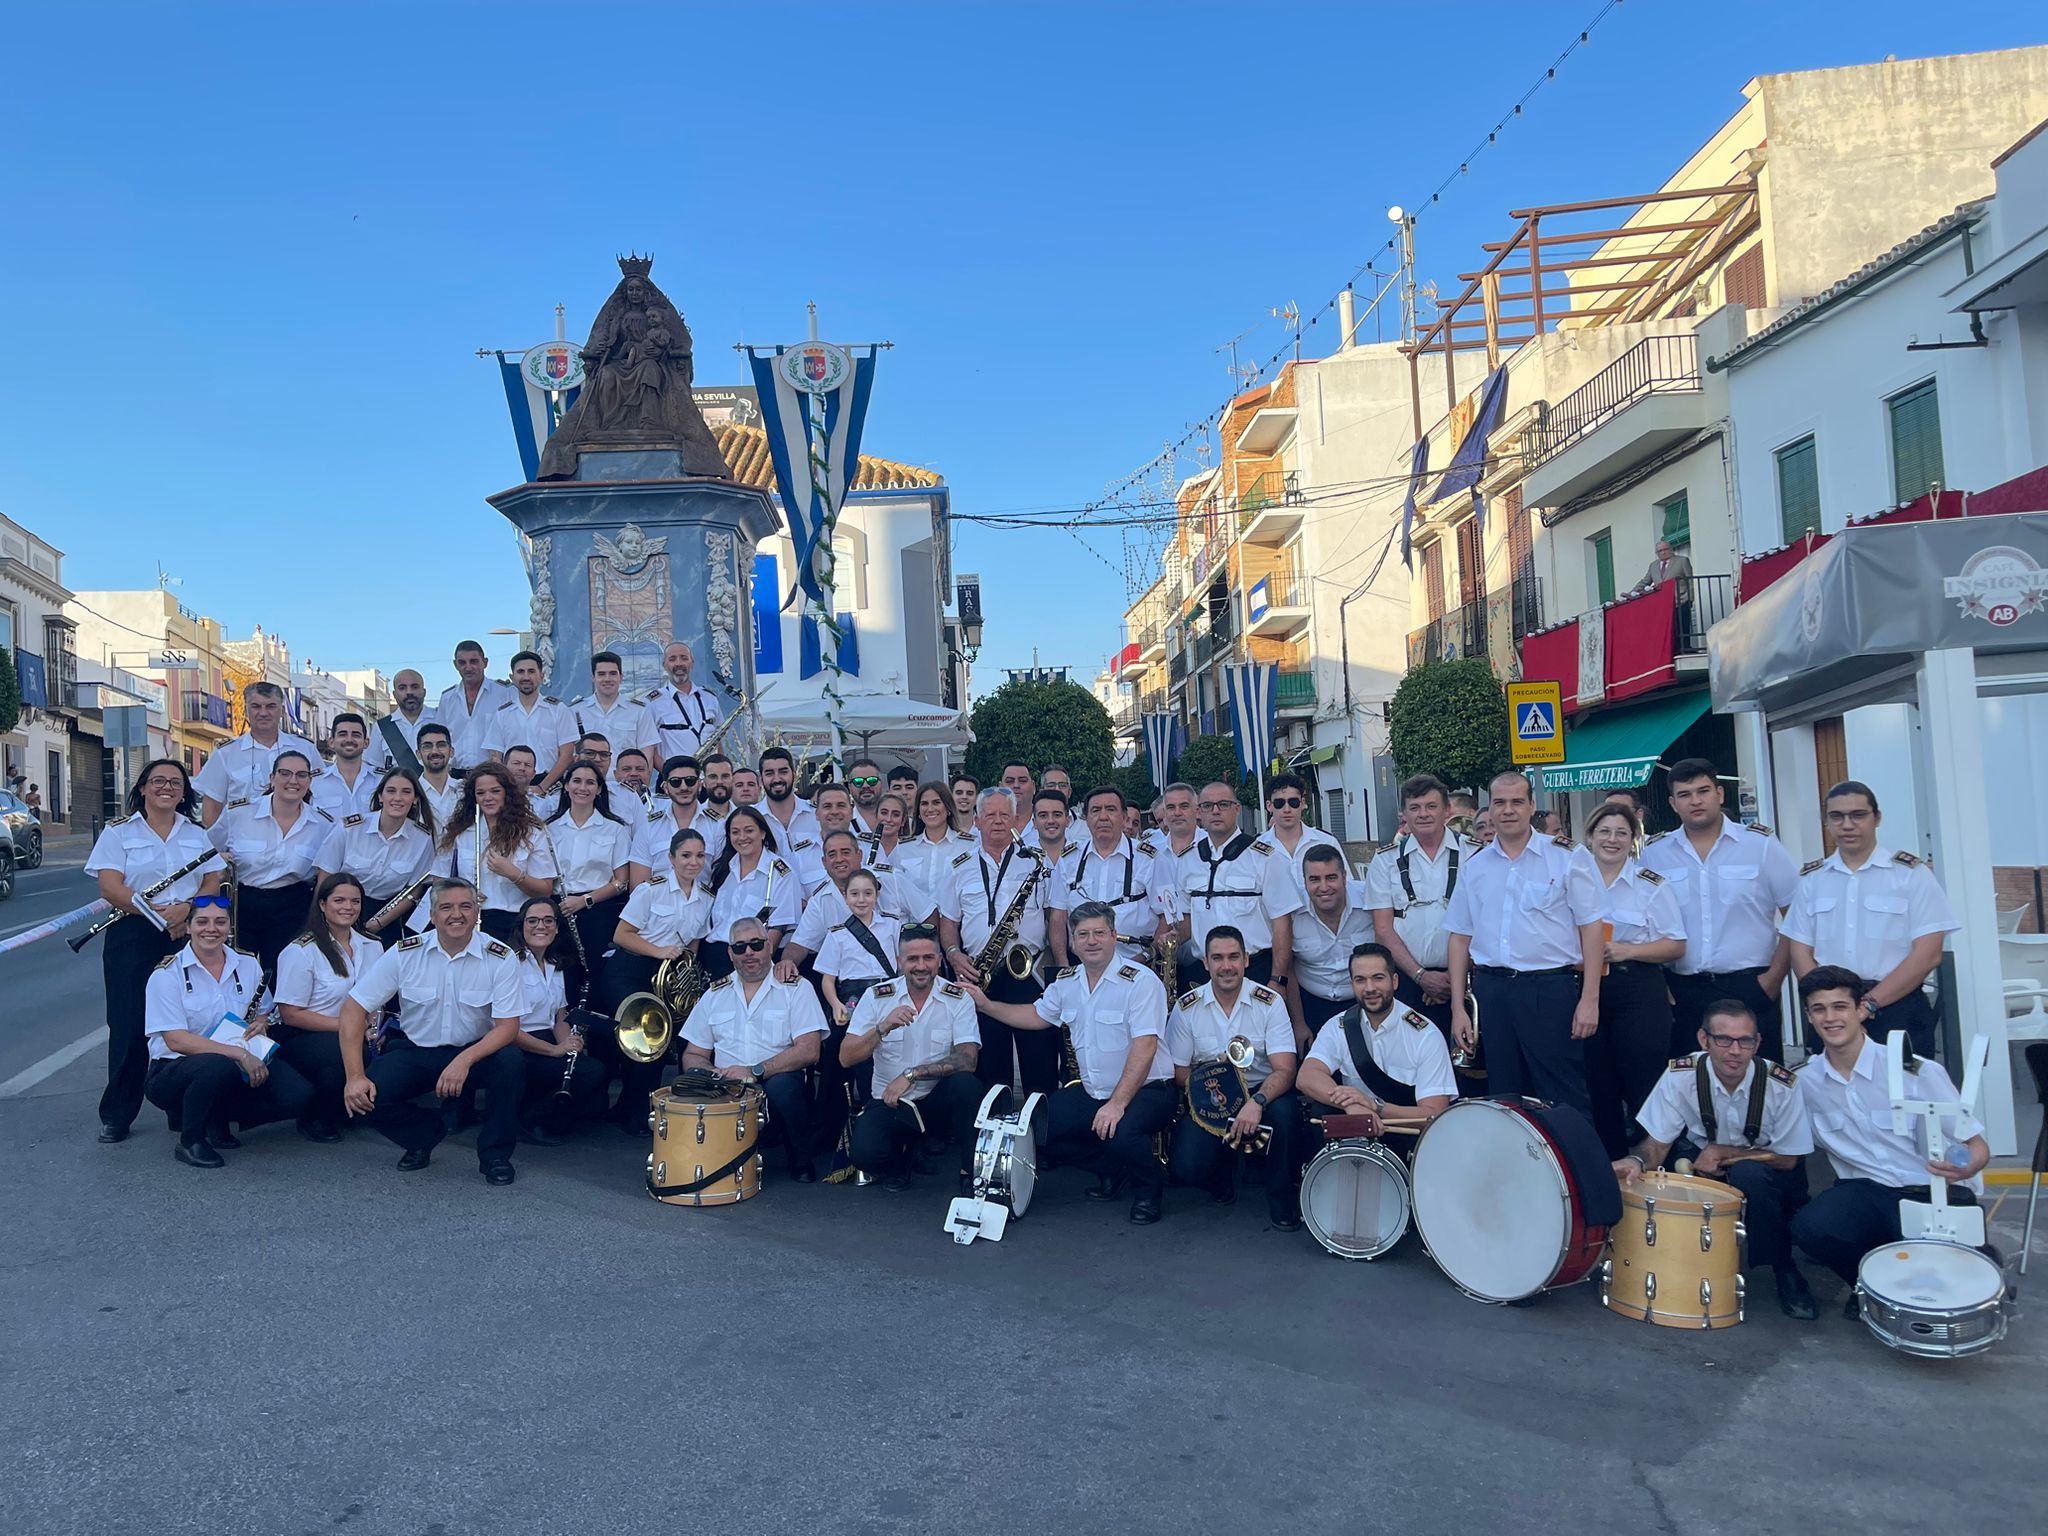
<point x="1676" y="569"/>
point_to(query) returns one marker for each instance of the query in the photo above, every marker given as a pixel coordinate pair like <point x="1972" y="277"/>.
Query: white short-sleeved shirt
<point x="444" y="999"/>
<point x="241" y="769"/>
<point x="742" y="1031"/>
<point x="1642" y="906"/>
<point x="625" y="724"/>
<point x="827" y="909"/>
<point x="977" y="890"/>
<point x="1852" y="1119"/>
<point x="385" y="865"/>
<point x="1730" y="900"/>
<point x="545" y="727"/>
<point x="338" y="798"/>
<point x="127" y="846"/>
<point x="1199" y="1028"/>
<point x="443" y="801"/>
<point x="1404" y="1045"/>
<point x="306" y="980"/>
<point x="1867" y="919"/>
<point x="802" y="823"/>
<point x="770" y="887"/>
<point x="469" y="725"/>
<point x="1673" y="1108"/>
<point x="682" y="722"/>
<point x="945" y="1019"/>
<point x="590" y="855"/>
<point x="806" y="855"/>
<point x="1311" y="837"/>
<point x="1524" y="913"/>
<point x="1126" y="878"/>
<point x="1126" y="1004"/>
<point x="1322" y="957"/>
<point x="925" y="861"/>
<point x="458" y="860"/>
<point x="182" y="994"/>
<point x="1249" y="885"/>
<point x="845" y="958"/>
<point x="542" y="996"/>
<point x="266" y="854"/>
<point x="379" y="754"/>
<point x="663" y="915"/>
<point x="1418" y="918"/>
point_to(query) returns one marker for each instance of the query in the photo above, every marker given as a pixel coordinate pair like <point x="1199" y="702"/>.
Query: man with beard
<point x="921" y="1036"/>
<point x="393" y="741"/>
<point x="715" y="802"/>
<point x="346" y="787"/>
<point x="685" y="716"/>
<point x="754" y="1029"/>
<point x="443" y="790"/>
<point x="680" y="777"/>
<point x="531" y="719"/>
<point x="793" y="822"/>
<point x="864" y="783"/>
<point x="1377" y="1054"/>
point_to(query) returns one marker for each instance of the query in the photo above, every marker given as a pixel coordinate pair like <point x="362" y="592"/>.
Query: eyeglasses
<point x="1734" y="1042"/>
<point x="290" y="773"/>
<point x="1215" y="805"/>
<point x="746" y="946"/>
<point x="1839" y="818"/>
<point x="209" y="901"/>
<point x="1285" y="802"/>
<point x="864" y="781"/>
<point x="680" y="781"/>
<point x="163" y="782"/>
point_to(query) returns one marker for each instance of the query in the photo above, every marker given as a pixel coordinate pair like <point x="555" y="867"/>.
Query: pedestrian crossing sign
<point x="1535" y="732"/>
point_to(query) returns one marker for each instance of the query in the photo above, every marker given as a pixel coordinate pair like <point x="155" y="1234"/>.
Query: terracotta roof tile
<point x="746" y="451"/>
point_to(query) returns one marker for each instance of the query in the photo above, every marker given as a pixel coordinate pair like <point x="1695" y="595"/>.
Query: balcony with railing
<point x="1525" y="606"/>
<point x="204" y="709"/>
<point x="1151" y="641"/>
<point x="1271" y="507"/>
<point x="1460" y="633"/>
<point x="1294" y="687"/>
<point x="1649" y="640"/>
<point x="1177" y="666"/>
<point x="1276" y="604"/>
<point x="1641" y="403"/>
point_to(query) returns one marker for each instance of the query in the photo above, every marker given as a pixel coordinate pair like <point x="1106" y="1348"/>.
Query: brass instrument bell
<point x="644" y="1028"/>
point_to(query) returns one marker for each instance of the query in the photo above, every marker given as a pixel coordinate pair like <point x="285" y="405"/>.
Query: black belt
<point x="1743" y="970"/>
<point x="1502" y="970"/>
<point x="1624" y="967"/>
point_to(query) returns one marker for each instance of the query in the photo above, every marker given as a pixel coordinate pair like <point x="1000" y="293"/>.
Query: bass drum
<point x="705" y="1146"/>
<point x="1354" y="1199"/>
<point x="1513" y="1197"/>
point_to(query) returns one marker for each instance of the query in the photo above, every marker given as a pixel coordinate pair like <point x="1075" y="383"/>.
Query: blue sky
<point x="250" y="251"/>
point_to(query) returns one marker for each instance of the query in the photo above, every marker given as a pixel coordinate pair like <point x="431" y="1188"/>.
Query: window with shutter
<point x="1471" y="562"/>
<point x="1333" y="819"/>
<point x="1521" y="552"/>
<point x="1433" y="578"/>
<point x="1916" y="441"/>
<point x="1798" y="490"/>
<point x="1743" y="281"/>
<point x="1675" y="525"/>
<point x="1601" y="547"/>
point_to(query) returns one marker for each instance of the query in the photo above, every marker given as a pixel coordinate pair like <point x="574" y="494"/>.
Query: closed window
<point x="1674" y="524"/>
<point x="1916" y="441"/>
<point x="1333" y="818"/>
<point x="1433" y="578"/>
<point x="1798" y="490"/>
<point x="1600" y="565"/>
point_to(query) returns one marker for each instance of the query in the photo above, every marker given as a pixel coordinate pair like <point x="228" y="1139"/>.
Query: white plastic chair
<point x="2009" y="922"/>
<point x="2023" y="963"/>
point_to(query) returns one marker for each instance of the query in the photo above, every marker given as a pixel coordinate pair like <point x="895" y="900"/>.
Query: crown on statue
<point x="636" y="265"/>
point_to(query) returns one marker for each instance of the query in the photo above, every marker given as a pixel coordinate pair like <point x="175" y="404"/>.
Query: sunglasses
<point x="918" y="931"/>
<point x="863" y="783"/>
<point x="746" y="946"/>
<point x="1285" y="802"/>
<point x="680" y="781"/>
<point x="199" y="902"/>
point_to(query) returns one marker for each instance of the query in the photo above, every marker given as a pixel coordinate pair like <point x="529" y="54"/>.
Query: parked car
<point x="28" y="832"/>
<point x="7" y="861"/>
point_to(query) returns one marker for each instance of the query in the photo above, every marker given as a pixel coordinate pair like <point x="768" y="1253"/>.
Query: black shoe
<point x="896" y="1181"/>
<point x="415" y="1160"/>
<point x="225" y="1138"/>
<point x="1795" y="1296"/>
<point x="111" y="1133"/>
<point x="1285" y="1221"/>
<point x="966" y="1186"/>
<point x="197" y="1154"/>
<point x="1105" y="1189"/>
<point x="540" y="1136"/>
<point x="1852" y="1309"/>
<point x="804" y="1174"/>
<point x="635" y="1129"/>
<point x="1526" y="1301"/>
<point x="1223" y="1194"/>
<point x="318" y="1130"/>
<point x="500" y="1172"/>
<point x="1144" y="1210"/>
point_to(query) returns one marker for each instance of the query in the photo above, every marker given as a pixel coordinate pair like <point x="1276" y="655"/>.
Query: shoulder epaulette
<point x="1263" y="995"/>
<point x="246" y="954"/>
<point x="782" y="869"/>
<point x="352" y="819"/>
<point x="119" y="820"/>
<point x="723" y="981"/>
<point x="236" y="805"/>
<point x="866" y="837"/>
<point x="496" y="950"/>
<point x="1682" y="1064"/>
<point x="1563" y="842"/>
<point x="657" y="879"/>
<point x="1757" y="826"/>
<point x="1650" y="875"/>
<point x="652" y="693"/>
<point x="1910" y="860"/>
<point x="1127" y="973"/>
<point x="304" y="938"/>
<point x="1063" y="973"/>
<point x="1784" y="1075"/>
<point x="1655" y="837"/>
<point x="962" y="859"/>
<point x="506" y="705"/>
<point x="411" y="941"/>
<point x="1416" y="1020"/>
<point x="883" y="988"/>
<point x="657" y="815"/>
<point x="802" y="842"/>
<point x="1189" y="1000"/>
<point x="951" y="989"/>
<point x="165" y="963"/>
<point x="549" y="699"/>
<point x="320" y="811"/>
<point x="1260" y="845"/>
<point x="1809" y="867"/>
<point x="1144" y="844"/>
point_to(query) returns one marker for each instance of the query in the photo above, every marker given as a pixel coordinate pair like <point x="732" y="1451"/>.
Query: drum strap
<point x="697" y="1186"/>
<point x="862" y="935"/>
<point x="1408" y="884"/>
<point x="1383" y="1087"/>
<point x="1753" y="1117"/>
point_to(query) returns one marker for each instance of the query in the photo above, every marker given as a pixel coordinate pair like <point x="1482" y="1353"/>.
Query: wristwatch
<point x="756" y="1070"/>
<point x="1260" y="1099"/>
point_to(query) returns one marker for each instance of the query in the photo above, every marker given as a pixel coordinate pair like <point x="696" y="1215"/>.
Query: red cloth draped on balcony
<point x="1640" y="644"/>
<point x="1759" y="572"/>
<point x="1553" y="656"/>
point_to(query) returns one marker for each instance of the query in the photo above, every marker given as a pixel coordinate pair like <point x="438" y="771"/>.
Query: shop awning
<point x="1618" y="748"/>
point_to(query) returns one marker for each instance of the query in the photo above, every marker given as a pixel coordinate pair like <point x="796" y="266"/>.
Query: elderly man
<point x="976" y="891"/>
<point x="241" y="769"/>
<point x="1676" y="569"/>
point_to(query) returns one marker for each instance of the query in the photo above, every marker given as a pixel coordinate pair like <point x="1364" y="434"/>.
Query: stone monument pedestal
<point x="633" y="555"/>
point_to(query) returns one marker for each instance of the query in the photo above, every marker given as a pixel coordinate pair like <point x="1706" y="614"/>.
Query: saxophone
<point x="1002" y="940"/>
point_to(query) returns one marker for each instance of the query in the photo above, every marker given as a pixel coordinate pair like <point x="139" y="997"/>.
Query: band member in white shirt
<point x="1333" y="925"/>
<point x="347" y="784"/>
<point x="564" y="1081"/>
<point x="749" y="879"/>
<point x="1176" y="836"/>
<point x="860" y="950"/>
<point x="438" y="782"/>
<point x="1023" y="788"/>
<point x="715" y="799"/>
<point x="1050" y="824"/>
<point x="1286" y="798"/>
<point x="892" y="824"/>
<point x="496" y="843"/>
<point x="392" y="740"/>
<point x="685" y="716"/>
<point x="1399" y="1060"/>
<point x="964" y="792"/>
<point x="902" y="781"/>
<point x="921" y="1036"/>
<point x="519" y="762"/>
<point x="864" y="784"/>
<point x="1408" y="890"/>
<point x="593" y="855"/>
<point x="460" y="1002"/>
<point x="928" y="850"/>
<point x="469" y="707"/>
<point x="387" y="850"/>
<point x="898" y="899"/>
<point x="833" y="807"/>
<point x="755" y="1029"/>
<point x="531" y="719"/>
<point x="977" y="892"/>
<point x="746" y="786"/>
<point x="629" y="778"/>
<point x="675" y="809"/>
<point x="1114" y="869"/>
<point x="621" y="721"/>
<point x="273" y="843"/>
<point x="1646" y="931"/>
<point x="791" y="818"/>
<point x="240" y="770"/>
<point x="204" y="1085"/>
<point x="1233" y="877"/>
<point x="313" y="977"/>
<point x="666" y="917"/>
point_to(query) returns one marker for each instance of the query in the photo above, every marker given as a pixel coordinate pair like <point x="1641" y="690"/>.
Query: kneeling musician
<point x="1246" y="1031"/>
<point x="1378" y="1055"/>
<point x="1121" y="1093"/>
<point x="921" y="1035"/>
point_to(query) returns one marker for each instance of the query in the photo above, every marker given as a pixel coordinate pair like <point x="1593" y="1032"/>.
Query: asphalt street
<point x="311" y="1341"/>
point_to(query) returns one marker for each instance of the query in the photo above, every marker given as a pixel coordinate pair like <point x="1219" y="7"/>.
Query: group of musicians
<point x="500" y="872"/>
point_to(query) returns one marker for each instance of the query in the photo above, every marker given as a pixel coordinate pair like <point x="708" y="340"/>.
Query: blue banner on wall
<point x="767" y="617"/>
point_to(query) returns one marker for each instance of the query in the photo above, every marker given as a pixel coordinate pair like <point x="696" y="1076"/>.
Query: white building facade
<point x="38" y="634"/>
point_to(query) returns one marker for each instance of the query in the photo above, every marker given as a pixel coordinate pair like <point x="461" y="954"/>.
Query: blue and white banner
<point x="1161" y="733"/>
<point x="786" y="414"/>
<point x="767" y="605"/>
<point x="1251" y="713"/>
<point x="811" y="647"/>
<point x="534" y="417"/>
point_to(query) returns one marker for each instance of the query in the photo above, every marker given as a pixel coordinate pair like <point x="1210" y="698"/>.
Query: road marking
<point x="52" y="1064"/>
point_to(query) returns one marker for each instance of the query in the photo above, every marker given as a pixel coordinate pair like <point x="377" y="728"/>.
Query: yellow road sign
<point x="1535" y="723"/>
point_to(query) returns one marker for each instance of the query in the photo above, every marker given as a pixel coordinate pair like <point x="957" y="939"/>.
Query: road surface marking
<point x="52" y="1064"/>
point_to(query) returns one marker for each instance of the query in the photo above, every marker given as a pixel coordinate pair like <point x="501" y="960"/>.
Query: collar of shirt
<point x="1866" y="1064"/>
<point x="1881" y="857"/>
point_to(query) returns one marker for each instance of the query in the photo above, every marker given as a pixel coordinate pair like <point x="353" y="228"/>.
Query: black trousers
<point x="201" y="1094"/>
<point x="1195" y="1157"/>
<point x="131" y="950"/>
<point x="1070" y="1137"/>
<point x="1317" y="1010"/>
<point x="404" y="1072"/>
<point x="595" y="926"/>
<point x="1770" y="1197"/>
<point x="622" y="975"/>
<point x="267" y="920"/>
<point x="837" y="1092"/>
<point x="545" y="1105"/>
<point x="1036" y="1052"/>
<point x="1915" y="1015"/>
<point x="1409" y="992"/>
<point x="885" y="1136"/>
<point x="1527" y="1020"/>
<point x="1624" y="1058"/>
<point x="1840" y="1225"/>
<point x="315" y="1055"/>
<point x="1692" y="996"/>
<point x="789" y="1117"/>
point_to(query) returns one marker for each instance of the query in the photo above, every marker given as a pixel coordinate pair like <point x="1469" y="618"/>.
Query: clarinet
<point x="569" y="1062"/>
<point x="101" y="925"/>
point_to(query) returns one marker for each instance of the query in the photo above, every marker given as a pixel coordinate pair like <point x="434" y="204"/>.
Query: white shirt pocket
<point x="1885" y="915"/>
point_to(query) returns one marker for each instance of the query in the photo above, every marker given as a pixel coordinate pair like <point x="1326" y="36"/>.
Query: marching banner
<point x="538" y="398"/>
<point x="1251" y="716"/>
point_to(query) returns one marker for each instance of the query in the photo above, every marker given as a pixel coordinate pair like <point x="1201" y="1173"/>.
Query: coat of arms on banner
<point x="631" y="601"/>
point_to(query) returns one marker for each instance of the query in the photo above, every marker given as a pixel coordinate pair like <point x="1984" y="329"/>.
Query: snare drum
<point x="705" y="1146"/>
<point x="1512" y="1197"/>
<point x="1354" y="1198"/>
<point x="1005" y="1171"/>
<point x="1937" y="1299"/>
<point x="1677" y="1254"/>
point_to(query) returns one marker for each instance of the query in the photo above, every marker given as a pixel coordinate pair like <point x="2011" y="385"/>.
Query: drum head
<point x="1490" y="1201"/>
<point x="1024" y="1158"/>
<point x="1354" y="1199"/>
<point x="1930" y="1276"/>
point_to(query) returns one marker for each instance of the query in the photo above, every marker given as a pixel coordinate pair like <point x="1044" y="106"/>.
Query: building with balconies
<point x="153" y="635"/>
<point x="37" y="633"/>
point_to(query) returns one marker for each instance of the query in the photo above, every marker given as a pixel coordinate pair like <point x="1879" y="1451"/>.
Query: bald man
<point x="685" y="715"/>
<point x="395" y="738"/>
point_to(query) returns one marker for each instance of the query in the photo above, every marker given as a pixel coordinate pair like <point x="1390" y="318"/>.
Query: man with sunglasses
<point x="1740" y="1120"/>
<point x="685" y="716"/>
<point x="240" y="770"/>
<point x="680" y="777"/>
<point x="921" y="1035"/>
<point x="1286" y="799"/>
<point x="754" y="1029"/>
<point x="1236" y="878"/>
<point x="864" y="783"/>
